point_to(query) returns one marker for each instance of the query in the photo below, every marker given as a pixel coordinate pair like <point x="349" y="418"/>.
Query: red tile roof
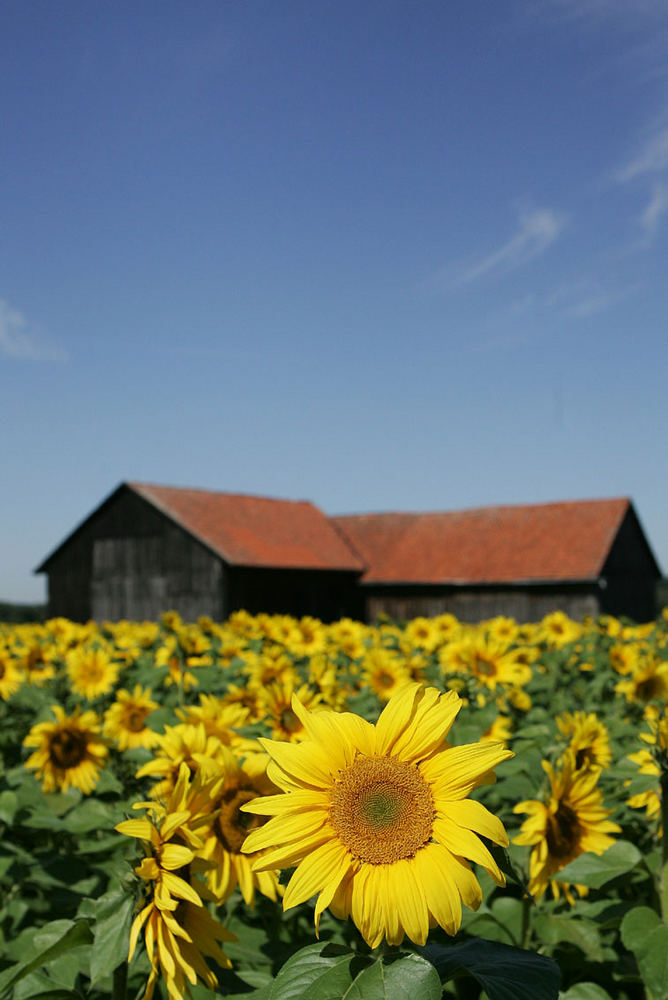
<point x="255" y="531"/>
<point x="552" y="541"/>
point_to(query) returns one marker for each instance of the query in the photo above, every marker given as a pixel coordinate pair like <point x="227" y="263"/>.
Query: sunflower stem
<point x="525" y="932"/>
<point x="120" y="982"/>
<point x="663" y="885"/>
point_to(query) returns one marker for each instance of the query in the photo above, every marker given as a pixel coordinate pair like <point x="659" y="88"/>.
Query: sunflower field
<point x="280" y="809"/>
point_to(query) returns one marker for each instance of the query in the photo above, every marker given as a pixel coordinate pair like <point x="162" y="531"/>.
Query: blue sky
<point x="378" y="255"/>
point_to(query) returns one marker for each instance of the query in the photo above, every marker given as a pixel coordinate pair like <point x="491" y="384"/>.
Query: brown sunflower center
<point x="382" y="810"/>
<point x="290" y="723"/>
<point x="232" y="825"/>
<point x="136" y="719"/>
<point x="67" y="748"/>
<point x="563" y="832"/>
<point x="650" y="688"/>
<point x="485" y="667"/>
<point x="385" y="680"/>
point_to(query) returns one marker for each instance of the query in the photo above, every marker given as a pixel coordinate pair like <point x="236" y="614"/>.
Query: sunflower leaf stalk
<point x="663" y="885"/>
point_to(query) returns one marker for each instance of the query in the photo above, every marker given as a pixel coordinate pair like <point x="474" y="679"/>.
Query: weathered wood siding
<point x="471" y="604"/>
<point x="129" y="561"/>
<point x="324" y="594"/>
<point x="630" y="574"/>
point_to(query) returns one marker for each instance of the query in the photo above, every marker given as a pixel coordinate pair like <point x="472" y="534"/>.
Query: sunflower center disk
<point x="67" y="748"/>
<point x="382" y="810"/>
<point x="563" y="832"/>
<point x="233" y="826"/>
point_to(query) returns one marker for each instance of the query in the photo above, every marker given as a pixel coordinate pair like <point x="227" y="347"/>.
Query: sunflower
<point x="589" y="738"/>
<point x="125" y="720"/>
<point x="178" y="929"/>
<point x="181" y="744"/>
<point x="285" y="723"/>
<point x="384" y="672"/>
<point x="38" y="662"/>
<point x="91" y="671"/>
<point x="652" y="762"/>
<point x="570" y="822"/>
<point x="557" y="630"/>
<point x="11" y="675"/>
<point x="649" y="680"/>
<point x="69" y="752"/>
<point x="376" y="820"/>
<point x="243" y="782"/>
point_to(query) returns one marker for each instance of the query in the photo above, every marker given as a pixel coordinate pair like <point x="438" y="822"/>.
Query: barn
<point x="150" y="548"/>
<point x="582" y="557"/>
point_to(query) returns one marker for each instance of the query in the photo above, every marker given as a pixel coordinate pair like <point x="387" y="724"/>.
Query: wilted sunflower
<point x="178" y="929"/>
<point x="125" y="720"/>
<point x="376" y="819"/>
<point x="570" y="822"/>
<point x="91" y="671"/>
<point x="243" y="782"/>
<point x="70" y="752"/>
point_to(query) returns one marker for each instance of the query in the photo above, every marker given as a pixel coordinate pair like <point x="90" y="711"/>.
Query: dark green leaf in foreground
<point x="644" y="934"/>
<point x="504" y="973"/>
<point x="594" y="870"/>
<point x="50" y="942"/>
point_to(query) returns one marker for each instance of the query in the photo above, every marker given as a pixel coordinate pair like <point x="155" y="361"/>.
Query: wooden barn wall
<point x="321" y="593"/>
<point x="630" y="574"/>
<point x="128" y="561"/>
<point x="476" y="604"/>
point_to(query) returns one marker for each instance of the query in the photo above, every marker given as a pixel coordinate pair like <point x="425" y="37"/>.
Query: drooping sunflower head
<point x="69" y="752"/>
<point x="178" y="928"/>
<point x="385" y="831"/>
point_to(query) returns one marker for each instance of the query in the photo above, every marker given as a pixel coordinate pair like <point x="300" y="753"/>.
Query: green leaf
<point x="504" y="973"/>
<point x="583" y="933"/>
<point x="8" y="805"/>
<point x="50" y="942"/>
<point x="585" y="991"/>
<point x="637" y="926"/>
<point x="111" y="934"/>
<point x="317" y="972"/>
<point x="594" y="870"/>
<point x="92" y="815"/>
<point x="403" y="979"/>
<point x="644" y="934"/>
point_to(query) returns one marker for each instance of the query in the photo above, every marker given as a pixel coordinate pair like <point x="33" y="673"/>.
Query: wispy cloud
<point x="536" y="231"/>
<point x="652" y="158"/>
<point x="656" y="207"/>
<point x="19" y="341"/>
